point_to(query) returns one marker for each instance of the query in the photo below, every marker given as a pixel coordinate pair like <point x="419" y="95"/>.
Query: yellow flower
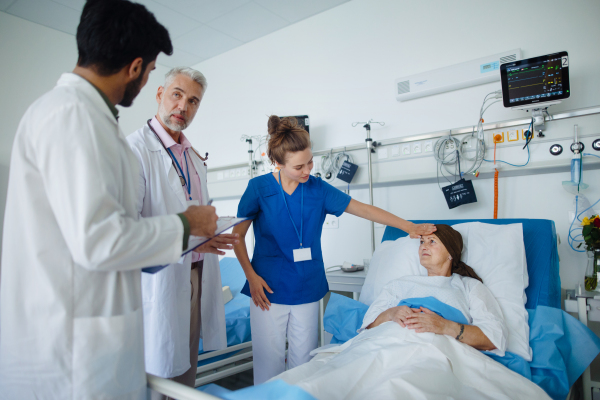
<point x="586" y="221"/>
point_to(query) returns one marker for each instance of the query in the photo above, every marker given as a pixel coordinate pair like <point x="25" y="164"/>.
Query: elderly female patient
<point x="451" y="300"/>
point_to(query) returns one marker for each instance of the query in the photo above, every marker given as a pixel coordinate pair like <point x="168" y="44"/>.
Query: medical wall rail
<point x="422" y="168"/>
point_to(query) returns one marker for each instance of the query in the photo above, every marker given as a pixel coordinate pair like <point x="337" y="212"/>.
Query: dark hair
<point x="113" y="33"/>
<point x="286" y="135"/>
<point x="453" y="242"/>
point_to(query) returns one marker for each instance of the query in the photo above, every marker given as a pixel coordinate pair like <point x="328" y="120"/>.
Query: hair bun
<point x="273" y="124"/>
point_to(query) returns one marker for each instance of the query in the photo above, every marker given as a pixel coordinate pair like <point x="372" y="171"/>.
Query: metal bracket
<point x="539" y="121"/>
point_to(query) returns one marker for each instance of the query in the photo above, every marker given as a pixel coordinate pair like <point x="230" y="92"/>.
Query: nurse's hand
<point x="257" y="290"/>
<point x="202" y="219"/>
<point x="416" y="231"/>
<point x="224" y="241"/>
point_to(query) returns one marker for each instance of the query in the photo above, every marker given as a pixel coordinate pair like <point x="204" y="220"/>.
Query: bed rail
<point x="176" y="390"/>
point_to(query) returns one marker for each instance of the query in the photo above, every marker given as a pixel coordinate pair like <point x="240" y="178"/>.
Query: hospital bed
<point x="554" y="372"/>
<point x="562" y="347"/>
<point x="237" y="357"/>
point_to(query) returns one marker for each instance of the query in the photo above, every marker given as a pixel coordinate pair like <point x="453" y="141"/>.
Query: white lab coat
<point x="166" y="294"/>
<point x="72" y="251"/>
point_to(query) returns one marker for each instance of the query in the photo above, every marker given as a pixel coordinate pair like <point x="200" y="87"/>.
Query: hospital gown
<point x="467" y="295"/>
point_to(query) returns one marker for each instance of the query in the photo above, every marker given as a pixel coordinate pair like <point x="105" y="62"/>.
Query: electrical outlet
<point x="331" y="222"/>
<point x="238" y="172"/>
<point x="395" y="151"/>
<point x="382" y="153"/>
<point x="406" y="149"/>
<point x="416" y="148"/>
<point x="245" y="171"/>
<point x="428" y="146"/>
<point x="513" y="135"/>
<point x="450" y="146"/>
<point x="498" y="137"/>
<point x="226" y="174"/>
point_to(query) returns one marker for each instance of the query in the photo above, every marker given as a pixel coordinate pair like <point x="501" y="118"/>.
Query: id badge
<point x="302" y="255"/>
<point x="193" y="203"/>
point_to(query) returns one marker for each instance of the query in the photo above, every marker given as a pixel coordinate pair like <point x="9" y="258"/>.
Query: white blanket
<point x="391" y="362"/>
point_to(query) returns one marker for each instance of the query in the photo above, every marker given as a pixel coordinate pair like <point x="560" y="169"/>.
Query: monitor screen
<point x="302" y="121"/>
<point x="535" y="80"/>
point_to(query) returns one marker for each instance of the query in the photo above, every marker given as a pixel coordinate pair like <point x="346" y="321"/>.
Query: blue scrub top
<point x="275" y="238"/>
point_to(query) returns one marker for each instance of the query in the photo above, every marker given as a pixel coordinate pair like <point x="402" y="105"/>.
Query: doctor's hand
<point x="224" y="241"/>
<point x="425" y="320"/>
<point x="416" y="231"/>
<point x="202" y="219"/>
<point x="257" y="290"/>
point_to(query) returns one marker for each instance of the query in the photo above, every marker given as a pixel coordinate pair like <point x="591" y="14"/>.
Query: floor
<point x="237" y="381"/>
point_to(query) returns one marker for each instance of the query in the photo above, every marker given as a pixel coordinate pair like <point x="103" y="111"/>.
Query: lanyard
<point x="188" y="184"/>
<point x="173" y="161"/>
<point x="288" y="209"/>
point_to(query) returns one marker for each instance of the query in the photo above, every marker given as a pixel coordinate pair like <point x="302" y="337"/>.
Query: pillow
<point x="495" y="252"/>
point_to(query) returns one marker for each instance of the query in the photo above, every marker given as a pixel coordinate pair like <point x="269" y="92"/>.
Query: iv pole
<point x="370" y="149"/>
<point x="251" y="164"/>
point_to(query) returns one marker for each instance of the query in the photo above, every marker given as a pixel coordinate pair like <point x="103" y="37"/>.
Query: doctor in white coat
<point x="73" y="244"/>
<point x="172" y="176"/>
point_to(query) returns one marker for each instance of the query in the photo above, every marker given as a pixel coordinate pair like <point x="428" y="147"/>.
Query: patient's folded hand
<point x="396" y="314"/>
<point x="425" y="320"/>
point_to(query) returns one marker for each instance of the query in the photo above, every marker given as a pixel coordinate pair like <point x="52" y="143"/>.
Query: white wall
<point x="33" y="58"/>
<point x="340" y="66"/>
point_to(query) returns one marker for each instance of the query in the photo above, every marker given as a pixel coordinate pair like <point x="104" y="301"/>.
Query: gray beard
<point x="167" y="121"/>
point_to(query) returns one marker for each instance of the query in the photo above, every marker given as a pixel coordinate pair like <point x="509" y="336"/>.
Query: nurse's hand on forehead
<point x="418" y="230"/>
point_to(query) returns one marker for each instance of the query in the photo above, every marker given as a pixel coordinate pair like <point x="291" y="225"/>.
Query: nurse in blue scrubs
<point x="286" y="278"/>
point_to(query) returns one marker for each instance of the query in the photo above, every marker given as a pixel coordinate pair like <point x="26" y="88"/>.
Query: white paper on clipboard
<point x="223" y="224"/>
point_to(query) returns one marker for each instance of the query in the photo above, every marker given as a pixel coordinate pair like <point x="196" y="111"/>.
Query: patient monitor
<point x="535" y="84"/>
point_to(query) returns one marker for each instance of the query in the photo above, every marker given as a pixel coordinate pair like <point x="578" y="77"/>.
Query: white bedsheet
<point x="391" y="362"/>
<point x="469" y="296"/>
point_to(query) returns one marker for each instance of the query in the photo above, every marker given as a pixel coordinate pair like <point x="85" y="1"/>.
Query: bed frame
<point x="216" y="370"/>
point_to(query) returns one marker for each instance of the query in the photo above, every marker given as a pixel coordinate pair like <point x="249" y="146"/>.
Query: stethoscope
<point x="184" y="182"/>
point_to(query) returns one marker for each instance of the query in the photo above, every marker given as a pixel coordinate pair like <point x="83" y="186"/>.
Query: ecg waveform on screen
<point x="537" y="81"/>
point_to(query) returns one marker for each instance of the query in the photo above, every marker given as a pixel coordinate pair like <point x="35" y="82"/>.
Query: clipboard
<point x="223" y="224"/>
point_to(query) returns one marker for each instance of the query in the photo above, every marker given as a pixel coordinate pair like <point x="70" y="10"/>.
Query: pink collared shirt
<point x="178" y="150"/>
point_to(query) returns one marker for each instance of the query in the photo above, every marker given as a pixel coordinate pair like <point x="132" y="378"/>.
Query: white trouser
<point x="269" y="330"/>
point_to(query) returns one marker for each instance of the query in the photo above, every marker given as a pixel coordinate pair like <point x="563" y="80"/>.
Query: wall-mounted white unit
<point x="458" y="76"/>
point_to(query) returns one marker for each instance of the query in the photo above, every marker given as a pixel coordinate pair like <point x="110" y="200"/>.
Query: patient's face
<point x="432" y="253"/>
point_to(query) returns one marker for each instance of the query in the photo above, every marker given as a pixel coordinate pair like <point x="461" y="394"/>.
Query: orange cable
<point x="495" y="185"/>
<point x="496" y="194"/>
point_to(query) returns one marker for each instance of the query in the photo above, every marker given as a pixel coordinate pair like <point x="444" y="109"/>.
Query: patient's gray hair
<point x="191" y="73"/>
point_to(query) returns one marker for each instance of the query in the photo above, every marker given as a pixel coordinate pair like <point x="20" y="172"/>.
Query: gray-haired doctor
<point x="183" y="297"/>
